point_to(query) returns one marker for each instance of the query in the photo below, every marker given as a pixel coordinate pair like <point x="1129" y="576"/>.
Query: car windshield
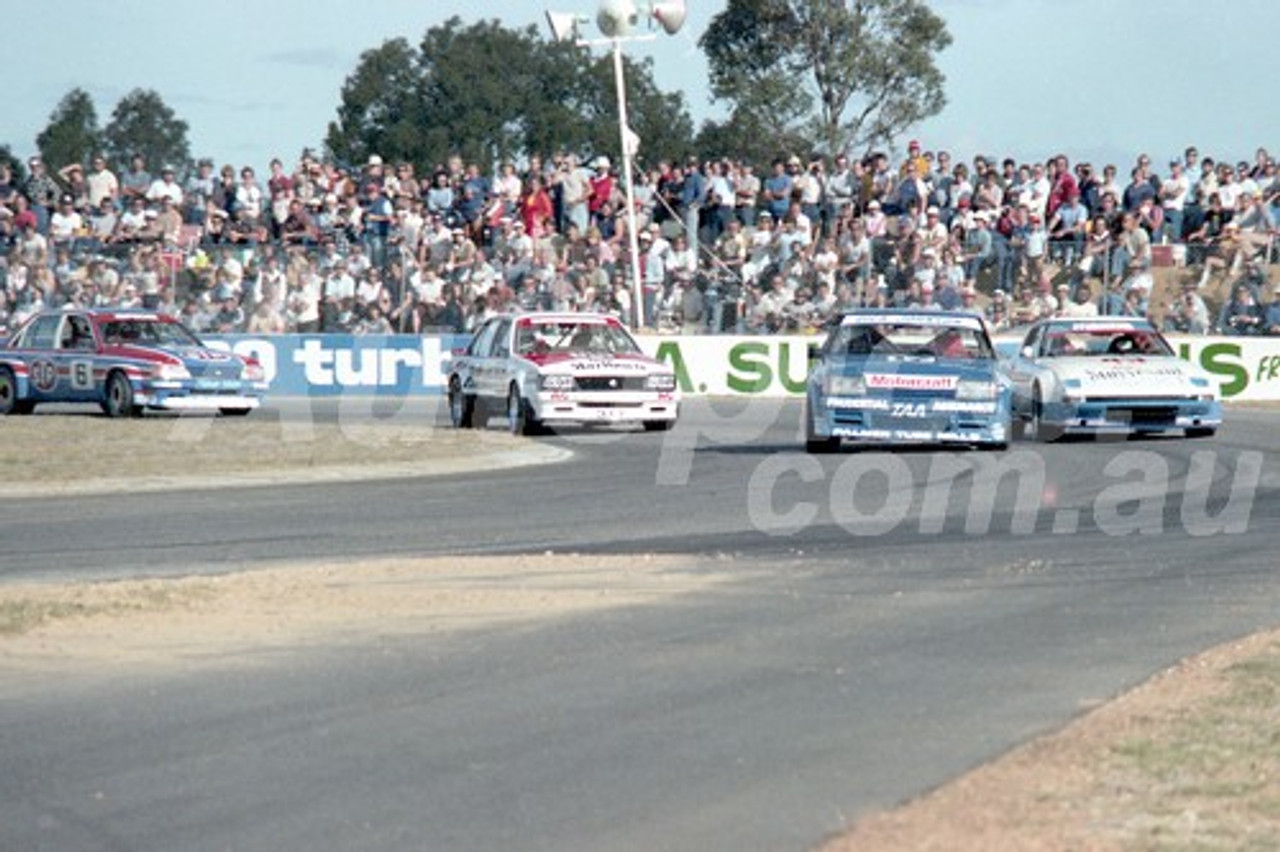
<point x="147" y="331"/>
<point x="904" y="339"/>
<point x="1101" y="342"/>
<point x="595" y="338"/>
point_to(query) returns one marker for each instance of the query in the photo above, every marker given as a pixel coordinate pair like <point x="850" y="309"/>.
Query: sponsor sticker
<point x="904" y="381"/>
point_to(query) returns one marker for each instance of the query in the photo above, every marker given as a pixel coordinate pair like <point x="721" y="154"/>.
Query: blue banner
<point x="336" y="364"/>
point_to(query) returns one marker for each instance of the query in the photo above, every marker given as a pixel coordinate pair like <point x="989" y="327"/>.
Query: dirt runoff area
<point x="1188" y="761"/>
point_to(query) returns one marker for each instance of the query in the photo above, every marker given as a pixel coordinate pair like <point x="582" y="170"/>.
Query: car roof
<point x="935" y="318"/>
<point x="530" y="317"/>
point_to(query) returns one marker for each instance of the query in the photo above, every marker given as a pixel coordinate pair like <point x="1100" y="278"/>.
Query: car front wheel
<point x="813" y="443"/>
<point x="520" y="417"/>
<point x="1041" y="431"/>
<point x="119" y="400"/>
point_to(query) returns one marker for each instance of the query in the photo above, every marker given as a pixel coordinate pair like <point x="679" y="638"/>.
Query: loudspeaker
<point x="670" y="14"/>
<point x="564" y="25"/>
<point x="616" y="18"/>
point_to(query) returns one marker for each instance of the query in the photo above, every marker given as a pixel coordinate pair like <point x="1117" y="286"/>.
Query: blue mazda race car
<point x="907" y="377"/>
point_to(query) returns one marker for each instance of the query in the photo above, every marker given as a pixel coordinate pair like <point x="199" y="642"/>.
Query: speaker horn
<point x="670" y="14"/>
<point x="616" y="18"/>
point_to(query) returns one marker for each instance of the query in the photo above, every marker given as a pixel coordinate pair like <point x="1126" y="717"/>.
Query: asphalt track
<point x="882" y="634"/>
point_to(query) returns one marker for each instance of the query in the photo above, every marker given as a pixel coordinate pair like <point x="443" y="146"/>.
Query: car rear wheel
<point x="462" y="407"/>
<point x="9" y="402"/>
<point x="520" y="417"/>
<point x="1041" y="431"/>
<point x="119" y="400"/>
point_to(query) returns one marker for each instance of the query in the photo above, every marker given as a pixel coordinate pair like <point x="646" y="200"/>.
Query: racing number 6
<point x="82" y="375"/>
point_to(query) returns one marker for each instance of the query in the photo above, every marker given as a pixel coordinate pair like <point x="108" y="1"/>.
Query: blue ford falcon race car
<point x="126" y="361"/>
<point x="913" y="377"/>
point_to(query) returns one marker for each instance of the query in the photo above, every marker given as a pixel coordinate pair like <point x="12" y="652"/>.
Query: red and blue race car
<point x="126" y="361"/>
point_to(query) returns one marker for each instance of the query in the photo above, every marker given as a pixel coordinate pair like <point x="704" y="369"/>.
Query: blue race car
<point x="907" y="377"/>
<point x="125" y="361"/>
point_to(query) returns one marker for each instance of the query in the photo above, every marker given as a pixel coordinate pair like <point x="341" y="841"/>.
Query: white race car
<point x="1108" y="375"/>
<point x="545" y="369"/>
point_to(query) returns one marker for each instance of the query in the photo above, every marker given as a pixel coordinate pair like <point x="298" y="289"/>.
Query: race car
<point x="1102" y="375"/>
<point x="546" y="369"/>
<point x="124" y="360"/>
<point x="907" y="377"/>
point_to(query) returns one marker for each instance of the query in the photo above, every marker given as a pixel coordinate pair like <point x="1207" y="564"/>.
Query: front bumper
<point x="912" y="420"/>
<point x="195" y="396"/>
<point x="603" y="408"/>
<point x="1126" y="416"/>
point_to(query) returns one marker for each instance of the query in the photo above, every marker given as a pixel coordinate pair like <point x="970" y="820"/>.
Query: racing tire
<point x="1040" y="431"/>
<point x="119" y="399"/>
<point x="520" y="417"/>
<point x="234" y="412"/>
<point x="462" y="407"/>
<point x="9" y="402"/>
<point x="658" y="425"/>
<point x="1201" y="432"/>
<point x="814" y="444"/>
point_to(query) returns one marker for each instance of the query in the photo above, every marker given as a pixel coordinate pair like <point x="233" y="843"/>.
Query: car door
<point x="476" y="378"/>
<point x="74" y="357"/>
<point x="498" y="362"/>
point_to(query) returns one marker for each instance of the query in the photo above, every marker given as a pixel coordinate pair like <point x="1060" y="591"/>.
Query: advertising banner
<point x="1246" y="368"/>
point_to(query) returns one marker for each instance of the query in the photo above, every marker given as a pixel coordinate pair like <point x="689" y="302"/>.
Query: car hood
<point x="921" y="374"/>
<point x="199" y="360"/>
<point x="1130" y="376"/>
<point x="587" y="364"/>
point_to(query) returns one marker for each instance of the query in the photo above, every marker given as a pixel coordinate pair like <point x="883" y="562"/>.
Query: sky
<point x="1096" y="79"/>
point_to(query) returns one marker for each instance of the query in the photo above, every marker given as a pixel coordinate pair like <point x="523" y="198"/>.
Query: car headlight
<point x="972" y="389"/>
<point x="170" y="372"/>
<point x="1203" y="390"/>
<point x="1072" y="389"/>
<point x="846" y="385"/>
<point x="557" y="383"/>
<point x="660" y="382"/>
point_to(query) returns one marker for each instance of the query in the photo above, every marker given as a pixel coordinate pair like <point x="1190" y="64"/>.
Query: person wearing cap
<point x="165" y="186"/>
<point x="1188" y="313"/>
<point x="979" y="246"/>
<point x="43" y="193"/>
<point x="602" y="185"/>
<point x="66" y="223"/>
<point x="916" y="165"/>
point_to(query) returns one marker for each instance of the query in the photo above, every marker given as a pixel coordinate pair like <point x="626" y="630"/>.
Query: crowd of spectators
<point x="380" y="248"/>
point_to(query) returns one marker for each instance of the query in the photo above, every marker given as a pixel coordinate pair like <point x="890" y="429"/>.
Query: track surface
<point x="860" y="656"/>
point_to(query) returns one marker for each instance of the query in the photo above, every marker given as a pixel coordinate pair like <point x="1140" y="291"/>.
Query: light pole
<point x="616" y="19"/>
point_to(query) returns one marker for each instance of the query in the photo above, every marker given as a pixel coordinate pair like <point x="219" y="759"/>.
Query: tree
<point x="487" y="93"/>
<point x="72" y="135"/>
<point x="841" y="73"/>
<point x="16" y="166"/>
<point x="143" y="124"/>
